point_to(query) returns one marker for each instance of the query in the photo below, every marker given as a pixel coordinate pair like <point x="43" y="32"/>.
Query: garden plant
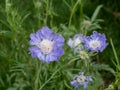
<point x="55" y="45"/>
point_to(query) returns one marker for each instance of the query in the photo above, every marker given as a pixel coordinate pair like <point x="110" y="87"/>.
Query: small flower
<point x="46" y="45"/>
<point x="83" y="55"/>
<point x="96" y="42"/>
<point x="87" y="23"/>
<point x="76" y="42"/>
<point x="81" y="80"/>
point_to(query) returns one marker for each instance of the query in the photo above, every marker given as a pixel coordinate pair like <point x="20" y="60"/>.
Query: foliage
<point x="116" y="83"/>
<point x="19" y="71"/>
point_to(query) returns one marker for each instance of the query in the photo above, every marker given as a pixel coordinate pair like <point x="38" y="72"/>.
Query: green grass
<point x="19" y="18"/>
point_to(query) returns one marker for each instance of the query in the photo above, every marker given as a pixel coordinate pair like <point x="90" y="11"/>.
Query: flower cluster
<point x="84" y="45"/>
<point x="94" y="43"/>
<point x="81" y="80"/>
<point x="46" y="45"/>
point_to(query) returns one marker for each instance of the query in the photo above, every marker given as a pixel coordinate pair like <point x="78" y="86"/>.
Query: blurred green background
<point x="19" y="18"/>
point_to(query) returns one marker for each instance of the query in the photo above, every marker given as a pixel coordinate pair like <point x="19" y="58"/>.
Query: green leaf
<point x="116" y="62"/>
<point x="1" y="82"/>
<point x="12" y="88"/>
<point x="94" y="16"/>
<point x="103" y="67"/>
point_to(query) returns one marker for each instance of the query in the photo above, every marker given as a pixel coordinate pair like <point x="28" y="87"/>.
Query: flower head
<point x="81" y="80"/>
<point x="87" y="23"/>
<point x="76" y="42"/>
<point x="96" y="42"/>
<point x="83" y="55"/>
<point x="46" y="45"/>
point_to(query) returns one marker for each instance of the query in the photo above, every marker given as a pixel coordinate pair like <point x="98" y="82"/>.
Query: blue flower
<point x="46" y="46"/>
<point x="76" y="42"/>
<point x="96" y="42"/>
<point x="81" y="80"/>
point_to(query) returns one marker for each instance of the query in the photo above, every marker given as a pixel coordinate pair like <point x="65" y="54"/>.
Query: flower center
<point x="94" y="44"/>
<point x="81" y="79"/>
<point x="76" y="42"/>
<point x="46" y="46"/>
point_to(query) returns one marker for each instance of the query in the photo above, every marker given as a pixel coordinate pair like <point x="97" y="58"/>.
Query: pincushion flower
<point x="76" y="42"/>
<point x="96" y="42"/>
<point x="46" y="46"/>
<point x="84" y="55"/>
<point x="81" y="80"/>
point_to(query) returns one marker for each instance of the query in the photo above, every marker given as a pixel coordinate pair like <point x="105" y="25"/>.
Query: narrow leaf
<point x="94" y="16"/>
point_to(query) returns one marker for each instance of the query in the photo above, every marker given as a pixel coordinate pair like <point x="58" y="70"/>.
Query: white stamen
<point x="76" y="42"/>
<point x="81" y="79"/>
<point x="94" y="44"/>
<point x="46" y="46"/>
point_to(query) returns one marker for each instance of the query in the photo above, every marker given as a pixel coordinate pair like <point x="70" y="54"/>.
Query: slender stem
<point x="81" y="12"/>
<point x="47" y="9"/>
<point x="89" y="66"/>
<point x="52" y="76"/>
<point x="38" y="65"/>
<point x="115" y="54"/>
<point x="54" y="73"/>
<point x="72" y="12"/>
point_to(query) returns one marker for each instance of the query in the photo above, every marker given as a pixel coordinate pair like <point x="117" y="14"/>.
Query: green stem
<point x="52" y="76"/>
<point x="115" y="54"/>
<point x="72" y="13"/>
<point x="49" y="79"/>
<point x="38" y="66"/>
<point x="47" y="9"/>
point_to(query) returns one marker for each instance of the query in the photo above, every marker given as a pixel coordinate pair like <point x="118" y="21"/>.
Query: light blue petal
<point x="41" y="56"/>
<point x="85" y="85"/>
<point x="33" y="39"/>
<point x="70" y="43"/>
<point x="46" y="33"/>
<point x="58" y="40"/>
<point x="34" y="51"/>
